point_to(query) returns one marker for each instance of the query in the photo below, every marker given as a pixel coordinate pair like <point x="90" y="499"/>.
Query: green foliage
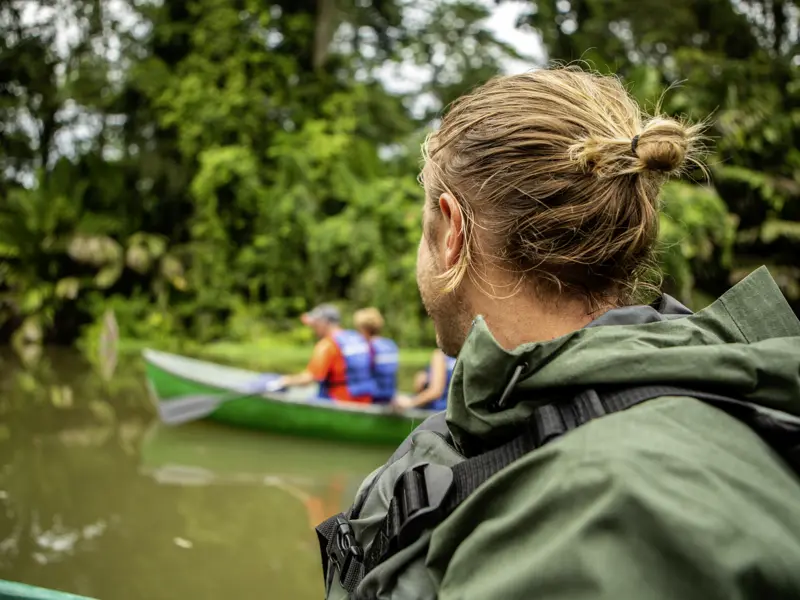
<point x="230" y="168"/>
<point x="736" y="61"/>
<point x="209" y="169"/>
<point x="696" y="229"/>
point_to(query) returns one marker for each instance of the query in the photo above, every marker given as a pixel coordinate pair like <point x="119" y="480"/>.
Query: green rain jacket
<point x="671" y="499"/>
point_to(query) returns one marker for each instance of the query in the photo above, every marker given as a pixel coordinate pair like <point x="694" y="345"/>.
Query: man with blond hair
<point x="596" y="445"/>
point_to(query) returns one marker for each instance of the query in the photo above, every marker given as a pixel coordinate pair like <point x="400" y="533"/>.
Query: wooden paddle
<point x="190" y="408"/>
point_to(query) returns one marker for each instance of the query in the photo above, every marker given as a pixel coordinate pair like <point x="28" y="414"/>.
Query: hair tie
<point x="634" y="144"/>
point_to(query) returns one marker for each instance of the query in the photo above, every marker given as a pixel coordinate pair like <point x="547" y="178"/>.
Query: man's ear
<point x="453" y="230"/>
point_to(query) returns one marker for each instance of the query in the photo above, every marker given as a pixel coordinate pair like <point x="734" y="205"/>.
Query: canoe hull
<point x="299" y="412"/>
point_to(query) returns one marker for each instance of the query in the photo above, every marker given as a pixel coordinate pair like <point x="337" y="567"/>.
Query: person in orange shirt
<point x="341" y="361"/>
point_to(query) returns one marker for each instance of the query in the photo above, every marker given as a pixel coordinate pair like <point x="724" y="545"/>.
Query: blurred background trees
<point x="210" y="168"/>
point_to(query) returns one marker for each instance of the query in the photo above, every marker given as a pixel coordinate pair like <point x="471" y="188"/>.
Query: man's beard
<point x="448" y="311"/>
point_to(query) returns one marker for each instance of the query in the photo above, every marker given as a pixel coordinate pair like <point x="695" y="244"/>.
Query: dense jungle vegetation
<point x="210" y="168"/>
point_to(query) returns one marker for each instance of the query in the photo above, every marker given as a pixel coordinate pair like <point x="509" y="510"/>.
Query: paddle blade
<point x="190" y="408"/>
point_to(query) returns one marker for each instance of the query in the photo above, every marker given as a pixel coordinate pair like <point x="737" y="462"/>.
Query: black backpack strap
<point x="436" y="423"/>
<point x="335" y="535"/>
<point x="426" y="494"/>
<point x="338" y="546"/>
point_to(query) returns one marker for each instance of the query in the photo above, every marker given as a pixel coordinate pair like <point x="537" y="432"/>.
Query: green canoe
<point x="223" y="393"/>
<point x="11" y="590"/>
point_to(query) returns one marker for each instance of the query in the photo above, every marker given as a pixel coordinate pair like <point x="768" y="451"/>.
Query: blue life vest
<point x="441" y="402"/>
<point x="358" y="365"/>
<point x="386" y="361"/>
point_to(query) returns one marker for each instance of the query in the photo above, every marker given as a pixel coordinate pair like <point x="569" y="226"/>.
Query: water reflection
<point x="320" y="475"/>
<point x="98" y="500"/>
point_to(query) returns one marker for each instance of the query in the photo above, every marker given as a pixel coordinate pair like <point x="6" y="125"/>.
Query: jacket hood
<point x="746" y="345"/>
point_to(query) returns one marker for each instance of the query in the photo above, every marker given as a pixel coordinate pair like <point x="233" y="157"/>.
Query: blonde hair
<point x="562" y="170"/>
<point x="368" y="319"/>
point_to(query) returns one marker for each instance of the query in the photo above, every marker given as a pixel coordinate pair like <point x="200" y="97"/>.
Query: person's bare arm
<point x="303" y="378"/>
<point x="436" y="383"/>
<point x="318" y="366"/>
<point x="420" y="381"/>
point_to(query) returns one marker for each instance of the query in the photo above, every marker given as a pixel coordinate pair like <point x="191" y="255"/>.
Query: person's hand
<point x="275" y="384"/>
<point x="401" y="403"/>
<point x="267" y="383"/>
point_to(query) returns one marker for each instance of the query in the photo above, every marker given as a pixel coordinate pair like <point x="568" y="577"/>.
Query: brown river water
<point x="98" y="499"/>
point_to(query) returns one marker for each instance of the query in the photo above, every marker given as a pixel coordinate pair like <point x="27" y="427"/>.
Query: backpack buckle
<point x="345" y="548"/>
<point x="419" y="492"/>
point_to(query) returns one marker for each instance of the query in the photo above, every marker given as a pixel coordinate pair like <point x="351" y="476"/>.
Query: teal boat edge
<point x="12" y="590"/>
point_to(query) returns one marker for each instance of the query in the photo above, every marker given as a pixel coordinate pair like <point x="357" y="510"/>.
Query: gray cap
<point x="323" y="312"/>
